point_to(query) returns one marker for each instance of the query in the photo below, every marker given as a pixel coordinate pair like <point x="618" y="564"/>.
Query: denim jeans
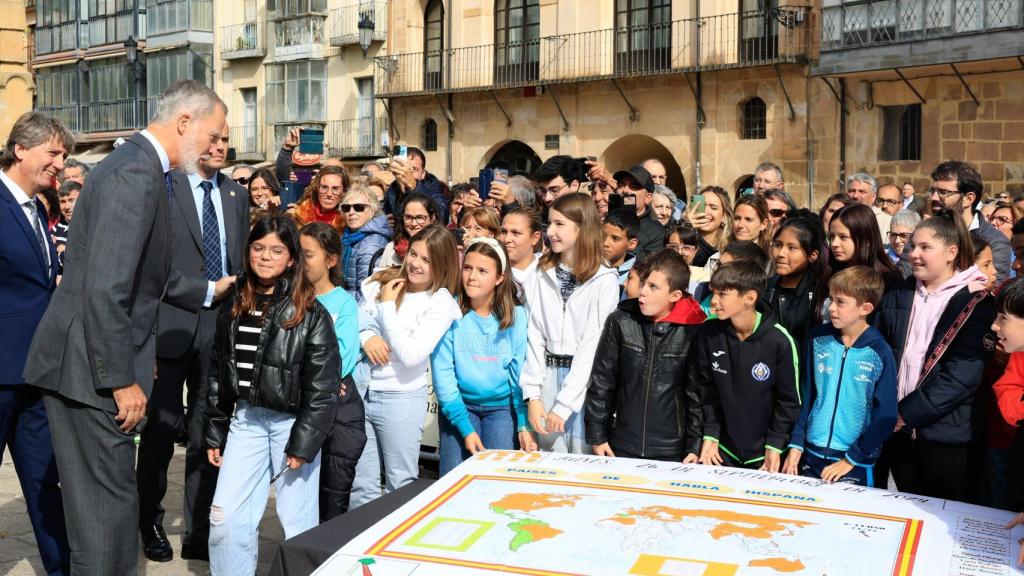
<point x="496" y="426"/>
<point x="253" y="454"/>
<point x="394" y="429"/>
<point x="571" y="441"/>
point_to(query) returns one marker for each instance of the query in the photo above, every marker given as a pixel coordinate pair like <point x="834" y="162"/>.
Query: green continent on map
<point x="529" y="531"/>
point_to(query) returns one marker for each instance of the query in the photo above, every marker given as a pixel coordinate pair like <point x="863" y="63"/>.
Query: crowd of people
<point x="583" y="308"/>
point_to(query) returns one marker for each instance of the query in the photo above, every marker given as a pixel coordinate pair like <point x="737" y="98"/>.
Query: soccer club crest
<point x="761" y="372"/>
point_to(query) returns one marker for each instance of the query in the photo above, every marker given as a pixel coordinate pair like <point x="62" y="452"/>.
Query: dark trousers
<point x="927" y="468"/>
<point x="340" y="454"/>
<point x="165" y="417"/>
<point x="96" y="461"/>
<point x="26" y="433"/>
<point x="623" y="453"/>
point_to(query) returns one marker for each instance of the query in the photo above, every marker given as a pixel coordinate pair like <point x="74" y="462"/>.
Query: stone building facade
<point x="16" y="84"/>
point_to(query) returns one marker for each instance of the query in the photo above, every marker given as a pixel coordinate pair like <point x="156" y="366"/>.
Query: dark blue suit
<point x="26" y="283"/>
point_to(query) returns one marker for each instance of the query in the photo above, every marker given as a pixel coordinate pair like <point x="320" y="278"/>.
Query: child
<point x="849" y="388"/>
<point x="1007" y="366"/>
<point x="801" y="268"/>
<point x="620" y="230"/>
<point x="271" y="397"/>
<point x="735" y="251"/>
<point x="685" y="241"/>
<point x="321" y="247"/>
<point x="480" y="223"/>
<point x="570" y="297"/>
<point x="945" y="302"/>
<point x="476" y="365"/>
<point x="656" y="416"/>
<point x="984" y="261"/>
<point x="747" y="370"/>
<point x="409" y="311"/>
<point x="521" y="232"/>
<point x="856" y="241"/>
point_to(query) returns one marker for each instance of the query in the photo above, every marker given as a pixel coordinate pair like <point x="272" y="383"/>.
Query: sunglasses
<point x="243" y="180"/>
<point x="776" y="212"/>
<point x="357" y="208"/>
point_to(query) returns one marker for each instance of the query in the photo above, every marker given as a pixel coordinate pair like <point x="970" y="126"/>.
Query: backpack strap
<point x="950" y="334"/>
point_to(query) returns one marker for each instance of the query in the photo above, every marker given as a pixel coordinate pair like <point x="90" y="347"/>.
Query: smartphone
<point x="311" y="140"/>
<point x="698" y="203"/>
<point x="484" y="180"/>
<point x="401" y="152"/>
<point x="288" y="195"/>
<point x="584" y="167"/>
<point x="500" y="175"/>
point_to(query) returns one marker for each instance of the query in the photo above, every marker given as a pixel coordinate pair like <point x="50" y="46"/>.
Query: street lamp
<point x="131" y="47"/>
<point x="131" y="54"/>
<point x="366" y="28"/>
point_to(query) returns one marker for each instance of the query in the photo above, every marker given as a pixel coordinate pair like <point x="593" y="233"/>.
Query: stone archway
<point x="635" y="148"/>
<point x="513" y="155"/>
<point x="741" y="183"/>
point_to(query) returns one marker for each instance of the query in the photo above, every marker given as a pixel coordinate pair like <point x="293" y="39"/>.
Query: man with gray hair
<point x="95" y="349"/>
<point x="34" y="154"/>
<point x="863" y="189"/>
<point x="74" y="171"/>
<point x="768" y="176"/>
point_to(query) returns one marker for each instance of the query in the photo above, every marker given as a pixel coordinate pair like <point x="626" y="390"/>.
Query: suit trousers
<point x="96" y="461"/>
<point x="25" y="432"/>
<point x="165" y="417"/>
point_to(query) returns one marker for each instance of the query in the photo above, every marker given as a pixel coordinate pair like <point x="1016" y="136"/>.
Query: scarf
<point x="348" y="240"/>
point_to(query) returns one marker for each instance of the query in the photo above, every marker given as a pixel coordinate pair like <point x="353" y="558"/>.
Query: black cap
<point x="640" y="174"/>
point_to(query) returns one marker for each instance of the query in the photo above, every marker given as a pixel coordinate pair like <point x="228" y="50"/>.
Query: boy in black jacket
<point x="746" y="367"/>
<point x="638" y="403"/>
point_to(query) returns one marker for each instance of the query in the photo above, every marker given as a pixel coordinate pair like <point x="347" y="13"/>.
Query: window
<point x="290" y="8"/>
<point x="296" y="91"/>
<point x="643" y="35"/>
<point x="57" y="93"/>
<point x="759" y="30"/>
<point x="516" y="40"/>
<point x="165" y="17"/>
<point x="428" y="136"/>
<point x="166" y="67"/>
<point x="754" y="119"/>
<point x="111" y="105"/>
<point x="433" y="44"/>
<point x="112" y="22"/>
<point x="901" y="132"/>
<point x="56" y="26"/>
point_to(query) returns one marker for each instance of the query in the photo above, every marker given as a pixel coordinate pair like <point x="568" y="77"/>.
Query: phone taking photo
<point x="401" y="152"/>
<point x="698" y="203"/>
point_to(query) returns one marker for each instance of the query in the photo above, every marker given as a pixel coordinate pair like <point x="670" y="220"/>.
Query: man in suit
<point x="209" y="227"/>
<point x="34" y="154"/>
<point x="95" y="349"/>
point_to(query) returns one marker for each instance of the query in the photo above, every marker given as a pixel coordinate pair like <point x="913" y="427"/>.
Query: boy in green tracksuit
<point x="747" y="370"/>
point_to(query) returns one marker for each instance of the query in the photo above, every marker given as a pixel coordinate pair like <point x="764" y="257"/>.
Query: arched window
<point x="754" y="120"/>
<point x="516" y="40"/>
<point x="428" y="135"/>
<point x="433" y="44"/>
<point x="643" y="35"/>
<point x="516" y="157"/>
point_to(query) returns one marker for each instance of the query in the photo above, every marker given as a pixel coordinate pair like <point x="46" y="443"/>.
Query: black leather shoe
<point x="155" y="545"/>
<point x="195" y="553"/>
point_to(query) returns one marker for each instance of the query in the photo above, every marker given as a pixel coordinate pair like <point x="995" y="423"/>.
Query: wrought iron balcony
<point x="67" y="114"/>
<point x="114" y="116"/>
<point x="876" y="22"/>
<point x="247" y="140"/>
<point x="115" y="28"/>
<point x="356" y="137"/>
<point x="345" y="22"/>
<point x="734" y="40"/>
<point x="168" y="17"/>
<point x="300" y="38"/>
<point x="243" y="41"/>
<point x="65" y="36"/>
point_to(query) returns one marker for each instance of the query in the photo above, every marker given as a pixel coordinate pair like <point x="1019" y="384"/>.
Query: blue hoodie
<point x="850" y="410"/>
<point x="478" y="363"/>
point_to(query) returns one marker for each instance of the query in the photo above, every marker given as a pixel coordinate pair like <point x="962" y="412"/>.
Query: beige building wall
<point x="16" y="85"/>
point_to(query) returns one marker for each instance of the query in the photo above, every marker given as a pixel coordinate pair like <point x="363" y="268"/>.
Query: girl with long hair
<point x="321" y="198"/>
<point x="522" y="235"/>
<point x="476" y="366"/>
<point x="416" y="212"/>
<point x="938" y="325"/>
<point x="713" y="219"/>
<point x="798" y="287"/>
<point x="407" y="311"/>
<point x="570" y="297"/>
<point x="264" y="190"/>
<point x="271" y="397"/>
<point x="832" y="205"/>
<point x="856" y="241"/>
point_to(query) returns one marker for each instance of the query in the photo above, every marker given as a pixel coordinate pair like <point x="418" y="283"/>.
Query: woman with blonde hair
<point x="711" y="214"/>
<point x="366" y="232"/>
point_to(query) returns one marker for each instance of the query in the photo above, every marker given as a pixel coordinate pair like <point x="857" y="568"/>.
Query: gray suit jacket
<point x="177" y="327"/>
<point x="99" y="332"/>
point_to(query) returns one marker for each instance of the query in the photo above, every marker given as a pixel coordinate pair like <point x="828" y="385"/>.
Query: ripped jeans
<point x="253" y="454"/>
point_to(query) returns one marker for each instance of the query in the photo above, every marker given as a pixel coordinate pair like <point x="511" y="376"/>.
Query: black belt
<point x="557" y="360"/>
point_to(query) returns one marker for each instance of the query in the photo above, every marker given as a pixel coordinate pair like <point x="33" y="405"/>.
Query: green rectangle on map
<point x="462" y="533"/>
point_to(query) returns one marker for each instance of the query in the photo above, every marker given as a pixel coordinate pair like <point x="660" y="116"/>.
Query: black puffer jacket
<point x="296" y="371"/>
<point x="638" y="399"/>
<point x="796" y="310"/>
<point x="940" y="409"/>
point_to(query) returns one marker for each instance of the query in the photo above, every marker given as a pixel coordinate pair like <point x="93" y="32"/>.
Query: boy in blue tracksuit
<point x="849" y="389"/>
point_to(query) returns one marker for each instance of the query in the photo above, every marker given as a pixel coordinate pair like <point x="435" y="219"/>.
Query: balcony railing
<point x="115" y="28"/>
<point x="345" y="22"/>
<point x="715" y="42"/>
<point x="117" y="115"/>
<point x="299" y="38"/>
<point x="242" y="41"/>
<point x="170" y="16"/>
<point x="65" y="36"/>
<point x="247" y="141"/>
<point x="356" y="137"/>
<point x="66" y="114"/>
<point x="869" y="23"/>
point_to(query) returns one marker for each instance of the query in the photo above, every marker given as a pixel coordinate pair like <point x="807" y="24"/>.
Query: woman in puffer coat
<point x="366" y="233"/>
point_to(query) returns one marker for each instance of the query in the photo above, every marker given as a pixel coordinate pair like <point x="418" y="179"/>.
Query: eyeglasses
<point x="999" y="220"/>
<point x="942" y="193"/>
<point x="276" y="252"/>
<point x="899" y="236"/>
<point x="554" y="190"/>
<point x="776" y="212"/>
<point x="357" y="208"/>
<point x="418" y="219"/>
<point x="636" y="187"/>
<point x="243" y="180"/>
<point x="332" y="190"/>
<point x="681" y="248"/>
<point x="883" y="202"/>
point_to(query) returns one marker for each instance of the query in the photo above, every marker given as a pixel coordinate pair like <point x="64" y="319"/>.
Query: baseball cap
<point x="640" y="174"/>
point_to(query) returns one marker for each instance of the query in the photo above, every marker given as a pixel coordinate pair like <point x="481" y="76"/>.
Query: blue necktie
<point x="170" y="188"/>
<point x="211" y="235"/>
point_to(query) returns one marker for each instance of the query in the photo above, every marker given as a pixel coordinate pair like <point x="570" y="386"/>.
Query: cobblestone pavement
<point x="19" y="557"/>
